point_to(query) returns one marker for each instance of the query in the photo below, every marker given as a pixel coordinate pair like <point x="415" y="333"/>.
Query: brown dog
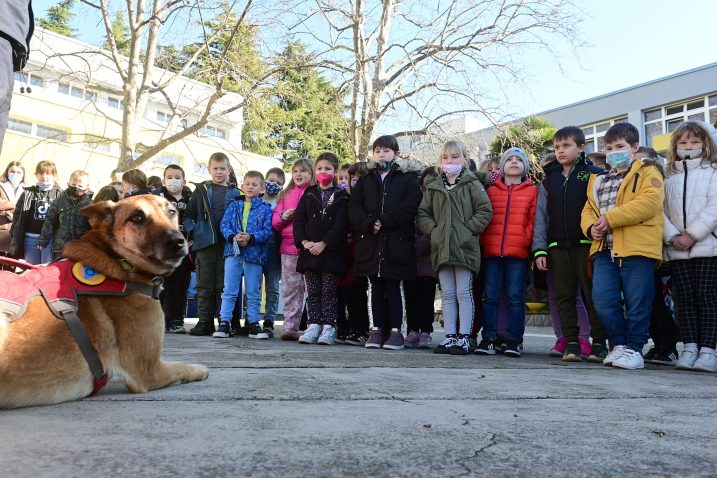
<point x="133" y="240"/>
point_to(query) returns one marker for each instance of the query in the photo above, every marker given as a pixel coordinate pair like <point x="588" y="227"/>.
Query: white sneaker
<point x="311" y="334"/>
<point x="614" y="354"/>
<point x="629" y="360"/>
<point x="707" y="361"/>
<point x="687" y="360"/>
<point x="328" y="335"/>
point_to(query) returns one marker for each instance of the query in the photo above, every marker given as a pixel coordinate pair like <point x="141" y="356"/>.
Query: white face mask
<point x="174" y="185"/>
<point x="689" y="153"/>
<point x="451" y="169"/>
<point x="14" y="178"/>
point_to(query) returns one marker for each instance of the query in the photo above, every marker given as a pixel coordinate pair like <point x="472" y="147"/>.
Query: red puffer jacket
<point x="510" y="232"/>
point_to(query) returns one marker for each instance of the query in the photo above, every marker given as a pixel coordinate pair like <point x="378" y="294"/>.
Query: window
<point x="90" y="95"/>
<point x="200" y="168"/>
<point x="54" y="134"/>
<point x="164" y="118"/>
<point x="19" y="125"/>
<point x="595" y="133"/>
<point x="213" y="131"/>
<point x="115" y="103"/>
<point x="76" y="91"/>
<point x="97" y="143"/>
<point x="167" y="158"/>
<point x="35" y="80"/>
<point x="63" y="88"/>
<point x="666" y="119"/>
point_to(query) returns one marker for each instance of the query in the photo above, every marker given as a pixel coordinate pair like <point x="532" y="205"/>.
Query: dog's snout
<point x="174" y="241"/>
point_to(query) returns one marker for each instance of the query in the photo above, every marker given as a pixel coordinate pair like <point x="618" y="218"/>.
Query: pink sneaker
<point x="412" y="339"/>
<point x="559" y="348"/>
<point x="586" y="348"/>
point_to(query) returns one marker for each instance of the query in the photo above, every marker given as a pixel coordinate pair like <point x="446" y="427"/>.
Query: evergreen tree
<point x="59" y="18"/>
<point x="120" y="33"/>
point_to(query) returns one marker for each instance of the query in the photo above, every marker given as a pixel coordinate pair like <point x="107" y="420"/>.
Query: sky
<point x="628" y="42"/>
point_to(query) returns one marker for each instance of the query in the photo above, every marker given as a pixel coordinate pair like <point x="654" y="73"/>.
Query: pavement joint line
<point x="411" y="400"/>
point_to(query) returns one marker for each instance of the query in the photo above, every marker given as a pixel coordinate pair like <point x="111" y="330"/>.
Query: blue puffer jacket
<point x="258" y="226"/>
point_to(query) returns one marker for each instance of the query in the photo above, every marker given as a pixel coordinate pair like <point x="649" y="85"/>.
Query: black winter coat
<point x="313" y="222"/>
<point x="394" y="201"/>
<point x="566" y="198"/>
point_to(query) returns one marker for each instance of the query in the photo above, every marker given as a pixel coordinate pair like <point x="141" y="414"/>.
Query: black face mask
<point x="72" y="191"/>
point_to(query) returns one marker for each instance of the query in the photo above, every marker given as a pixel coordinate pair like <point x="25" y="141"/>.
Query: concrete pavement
<point x="271" y="408"/>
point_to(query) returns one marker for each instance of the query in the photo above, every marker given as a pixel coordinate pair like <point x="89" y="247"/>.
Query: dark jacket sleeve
<point x="17" y="229"/>
<point x="337" y="234"/>
<point x="300" y="217"/>
<point x="51" y="223"/>
<point x="406" y="211"/>
<point x="190" y="214"/>
<point x="360" y="219"/>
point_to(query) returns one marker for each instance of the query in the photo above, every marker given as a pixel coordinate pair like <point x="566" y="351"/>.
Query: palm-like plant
<point x="534" y="135"/>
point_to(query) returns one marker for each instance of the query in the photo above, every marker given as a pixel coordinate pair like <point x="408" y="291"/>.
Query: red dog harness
<point x="59" y="283"/>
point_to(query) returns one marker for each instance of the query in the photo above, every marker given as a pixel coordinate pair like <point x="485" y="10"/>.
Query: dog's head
<point x="143" y="230"/>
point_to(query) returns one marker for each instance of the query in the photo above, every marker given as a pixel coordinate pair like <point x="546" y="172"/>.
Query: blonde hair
<point x="303" y="163"/>
<point x="454" y="145"/>
<point x="692" y="128"/>
<point x="76" y="175"/>
<point x="47" y="167"/>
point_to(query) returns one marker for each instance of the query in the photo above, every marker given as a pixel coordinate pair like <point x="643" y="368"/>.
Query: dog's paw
<point x="196" y="373"/>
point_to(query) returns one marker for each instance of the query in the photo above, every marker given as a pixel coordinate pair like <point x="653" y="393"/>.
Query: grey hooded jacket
<point x="16" y="26"/>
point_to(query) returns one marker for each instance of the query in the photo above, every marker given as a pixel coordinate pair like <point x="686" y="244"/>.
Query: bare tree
<point x="426" y="59"/>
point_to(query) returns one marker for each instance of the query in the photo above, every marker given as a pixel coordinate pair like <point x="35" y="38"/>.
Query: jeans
<point x="33" y="255"/>
<point x="629" y="281"/>
<point x="511" y="273"/>
<point x="235" y="267"/>
<point x="7" y="81"/>
<point x="272" y="275"/>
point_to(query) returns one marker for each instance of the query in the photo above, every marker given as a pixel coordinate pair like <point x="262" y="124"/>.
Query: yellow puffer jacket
<point x="636" y="220"/>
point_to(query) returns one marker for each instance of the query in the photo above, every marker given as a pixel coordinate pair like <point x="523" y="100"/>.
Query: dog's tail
<point x="4" y="323"/>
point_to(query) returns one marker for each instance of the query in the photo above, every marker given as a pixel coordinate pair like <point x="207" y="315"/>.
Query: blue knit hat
<point x="515" y="152"/>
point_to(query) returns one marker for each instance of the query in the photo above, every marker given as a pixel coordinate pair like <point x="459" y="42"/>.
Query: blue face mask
<point x="273" y="188"/>
<point x="618" y="159"/>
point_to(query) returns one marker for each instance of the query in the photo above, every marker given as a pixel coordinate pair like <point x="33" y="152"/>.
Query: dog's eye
<point x="138" y="219"/>
<point x="172" y="212"/>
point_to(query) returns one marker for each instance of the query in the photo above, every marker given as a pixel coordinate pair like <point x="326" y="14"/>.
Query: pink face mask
<point x="325" y="178"/>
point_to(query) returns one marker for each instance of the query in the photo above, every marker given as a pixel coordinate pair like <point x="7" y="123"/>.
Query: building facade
<point x="67" y="107"/>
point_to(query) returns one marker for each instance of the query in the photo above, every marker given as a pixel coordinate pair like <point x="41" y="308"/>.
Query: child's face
<point x="219" y="170"/>
<point x="453" y="156"/>
<point x="275" y="177"/>
<point x="690" y="142"/>
<point x="325" y="167"/>
<point x="45" y="177"/>
<point x="344" y="177"/>
<point x="82" y="183"/>
<point x="494" y="167"/>
<point x="514" y="167"/>
<point x="382" y="154"/>
<point x="567" y="150"/>
<point x="620" y="144"/>
<point x="251" y="187"/>
<point x="128" y="188"/>
<point x="300" y="176"/>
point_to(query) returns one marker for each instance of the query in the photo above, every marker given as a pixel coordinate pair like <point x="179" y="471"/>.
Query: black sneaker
<point x="500" y="344"/>
<point x="598" y="353"/>
<point x="664" y="359"/>
<point x="256" y="332"/>
<point x="572" y="353"/>
<point x="650" y="354"/>
<point x="269" y="328"/>
<point x="356" y="338"/>
<point x="243" y="331"/>
<point x="486" y="347"/>
<point x="446" y="345"/>
<point x="202" y="328"/>
<point x="464" y="346"/>
<point x="224" y="331"/>
<point x="340" y="339"/>
<point x="178" y="327"/>
<point x="513" y="349"/>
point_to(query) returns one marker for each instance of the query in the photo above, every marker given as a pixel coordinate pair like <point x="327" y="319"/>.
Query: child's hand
<point x="596" y="233"/>
<point x="242" y="238"/>
<point x="683" y="242"/>
<point x="288" y="214"/>
<point x="542" y="263"/>
<point x="377" y="227"/>
<point x="39" y="247"/>
<point x="317" y="248"/>
<point x="601" y="226"/>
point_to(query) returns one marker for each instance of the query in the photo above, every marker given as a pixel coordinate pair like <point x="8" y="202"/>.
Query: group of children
<point x="373" y="239"/>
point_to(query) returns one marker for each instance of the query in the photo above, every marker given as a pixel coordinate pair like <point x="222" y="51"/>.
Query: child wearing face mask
<point x="275" y="179"/>
<point x="10" y="190"/>
<point x="174" y="295"/>
<point x="454" y="211"/>
<point x="64" y="222"/>
<point x="320" y="227"/>
<point x="134" y="183"/>
<point x="691" y="239"/>
<point x="30" y="214"/>
<point x="292" y="282"/>
<point x="623" y="218"/>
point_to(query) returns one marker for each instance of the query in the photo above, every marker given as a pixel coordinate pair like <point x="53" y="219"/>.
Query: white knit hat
<point x="515" y="152"/>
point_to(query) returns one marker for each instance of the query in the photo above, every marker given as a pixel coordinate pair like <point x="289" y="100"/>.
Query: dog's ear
<point x="99" y="213"/>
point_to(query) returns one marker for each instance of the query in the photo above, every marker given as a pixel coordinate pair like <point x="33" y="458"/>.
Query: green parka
<point x="454" y="219"/>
